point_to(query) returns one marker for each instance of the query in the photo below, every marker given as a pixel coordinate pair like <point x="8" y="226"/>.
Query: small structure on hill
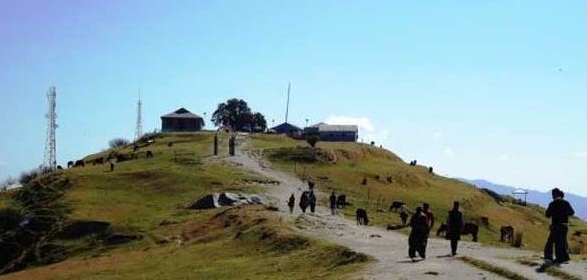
<point x="289" y="130"/>
<point x="181" y="120"/>
<point x="333" y="132"/>
<point x="518" y="195"/>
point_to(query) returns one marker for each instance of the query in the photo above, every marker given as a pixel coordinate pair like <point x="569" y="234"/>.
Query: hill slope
<point x="141" y="193"/>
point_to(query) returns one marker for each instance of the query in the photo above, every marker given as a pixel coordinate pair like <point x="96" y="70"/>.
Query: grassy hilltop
<point x="245" y="242"/>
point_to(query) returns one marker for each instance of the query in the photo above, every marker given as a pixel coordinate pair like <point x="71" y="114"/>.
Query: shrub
<point x="518" y="239"/>
<point x="118" y="142"/>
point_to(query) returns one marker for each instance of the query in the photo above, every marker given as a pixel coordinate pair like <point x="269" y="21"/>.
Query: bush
<point x="518" y="239"/>
<point x="118" y="142"/>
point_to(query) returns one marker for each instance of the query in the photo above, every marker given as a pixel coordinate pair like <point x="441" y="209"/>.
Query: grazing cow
<point x="468" y="228"/>
<point x="341" y="201"/>
<point x="79" y="163"/>
<point x="149" y="154"/>
<point x="506" y="234"/>
<point x="362" y="218"/>
<point x="430" y="170"/>
<point x="70" y="164"/>
<point x="395" y="206"/>
<point x="59" y="167"/>
<point x="98" y="161"/>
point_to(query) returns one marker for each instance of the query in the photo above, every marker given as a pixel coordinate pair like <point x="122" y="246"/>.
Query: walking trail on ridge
<point x="389" y="248"/>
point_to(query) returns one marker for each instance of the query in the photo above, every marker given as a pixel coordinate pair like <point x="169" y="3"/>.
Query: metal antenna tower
<point x="139" y="128"/>
<point x="50" y="161"/>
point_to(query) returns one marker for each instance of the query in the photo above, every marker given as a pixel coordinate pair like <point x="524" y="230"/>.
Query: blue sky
<point x="477" y="89"/>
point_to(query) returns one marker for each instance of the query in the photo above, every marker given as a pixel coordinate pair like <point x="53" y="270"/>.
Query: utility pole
<point x="50" y="159"/>
<point x="287" y="105"/>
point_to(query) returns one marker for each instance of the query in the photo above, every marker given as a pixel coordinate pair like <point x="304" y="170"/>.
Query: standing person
<point x="429" y="221"/>
<point x="454" y="224"/>
<point x="312" y="201"/>
<point x="429" y="215"/>
<point x="418" y="235"/>
<point x="333" y="203"/>
<point x="404" y="213"/>
<point x="559" y="211"/>
<point x="291" y="202"/>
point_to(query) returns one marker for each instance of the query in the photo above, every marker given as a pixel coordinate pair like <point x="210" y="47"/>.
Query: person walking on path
<point x="454" y="224"/>
<point x="404" y="214"/>
<point x="559" y="211"/>
<point x="333" y="203"/>
<point x="429" y="221"/>
<point x="291" y="202"/>
<point x="418" y="235"/>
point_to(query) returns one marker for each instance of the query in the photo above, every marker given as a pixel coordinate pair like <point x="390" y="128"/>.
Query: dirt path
<point x="387" y="247"/>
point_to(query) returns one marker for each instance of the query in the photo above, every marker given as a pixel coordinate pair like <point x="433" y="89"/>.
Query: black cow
<point x="99" y="160"/>
<point x="395" y="206"/>
<point x="70" y="164"/>
<point x="79" y="163"/>
<point x="430" y="170"/>
<point x="341" y="201"/>
<point x="506" y="234"/>
<point x="362" y="218"/>
<point x="468" y="228"/>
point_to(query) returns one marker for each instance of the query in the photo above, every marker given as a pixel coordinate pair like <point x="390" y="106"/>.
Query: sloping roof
<point x="338" y="127"/>
<point x="318" y="124"/>
<point x="182" y="113"/>
<point x="286" y="127"/>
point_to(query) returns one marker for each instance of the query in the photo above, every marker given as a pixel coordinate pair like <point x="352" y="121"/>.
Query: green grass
<point x="242" y="242"/>
<point x="142" y="192"/>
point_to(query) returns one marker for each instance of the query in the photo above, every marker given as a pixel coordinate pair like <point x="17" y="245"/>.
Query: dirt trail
<point x="387" y="247"/>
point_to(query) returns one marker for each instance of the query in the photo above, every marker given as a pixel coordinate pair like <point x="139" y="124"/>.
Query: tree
<point x="118" y="142"/>
<point x="236" y="114"/>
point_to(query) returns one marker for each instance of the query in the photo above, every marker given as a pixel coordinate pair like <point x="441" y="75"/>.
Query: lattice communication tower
<point x="139" y="127"/>
<point x="50" y="160"/>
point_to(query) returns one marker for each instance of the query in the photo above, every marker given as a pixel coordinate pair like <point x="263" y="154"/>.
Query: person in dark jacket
<point x="333" y="203"/>
<point x="454" y="225"/>
<point x="291" y="202"/>
<point x="419" y="234"/>
<point x="559" y="211"/>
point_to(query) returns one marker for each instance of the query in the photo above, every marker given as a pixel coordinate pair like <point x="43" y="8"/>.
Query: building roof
<point x="324" y="127"/>
<point x="182" y="113"/>
<point x="338" y="128"/>
<point x="286" y="127"/>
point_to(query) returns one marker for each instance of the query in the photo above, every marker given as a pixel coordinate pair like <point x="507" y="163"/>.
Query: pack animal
<point x="468" y="228"/>
<point x="506" y="234"/>
<point x="362" y="218"/>
<point x="341" y="201"/>
<point x="79" y="163"/>
<point x="395" y="206"/>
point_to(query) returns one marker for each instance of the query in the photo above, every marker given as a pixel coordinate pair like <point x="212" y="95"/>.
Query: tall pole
<point x="50" y="160"/>
<point x="139" y="127"/>
<point x="287" y="105"/>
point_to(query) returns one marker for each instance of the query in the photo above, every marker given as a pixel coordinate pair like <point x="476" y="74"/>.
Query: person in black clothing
<point x="291" y="202"/>
<point x="418" y="235"/>
<point x="559" y="211"/>
<point x="333" y="203"/>
<point x="454" y="225"/>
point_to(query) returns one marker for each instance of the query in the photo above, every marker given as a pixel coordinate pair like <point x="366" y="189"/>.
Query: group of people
<point x="559" y="211"/>
<point x="422" y="221"/>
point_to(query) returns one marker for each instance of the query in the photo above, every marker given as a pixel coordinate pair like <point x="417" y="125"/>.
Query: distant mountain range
<point x="579" y="203"/>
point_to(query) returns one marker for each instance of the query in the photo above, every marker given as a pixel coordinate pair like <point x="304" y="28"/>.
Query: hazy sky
<point x="478" y="89"/>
